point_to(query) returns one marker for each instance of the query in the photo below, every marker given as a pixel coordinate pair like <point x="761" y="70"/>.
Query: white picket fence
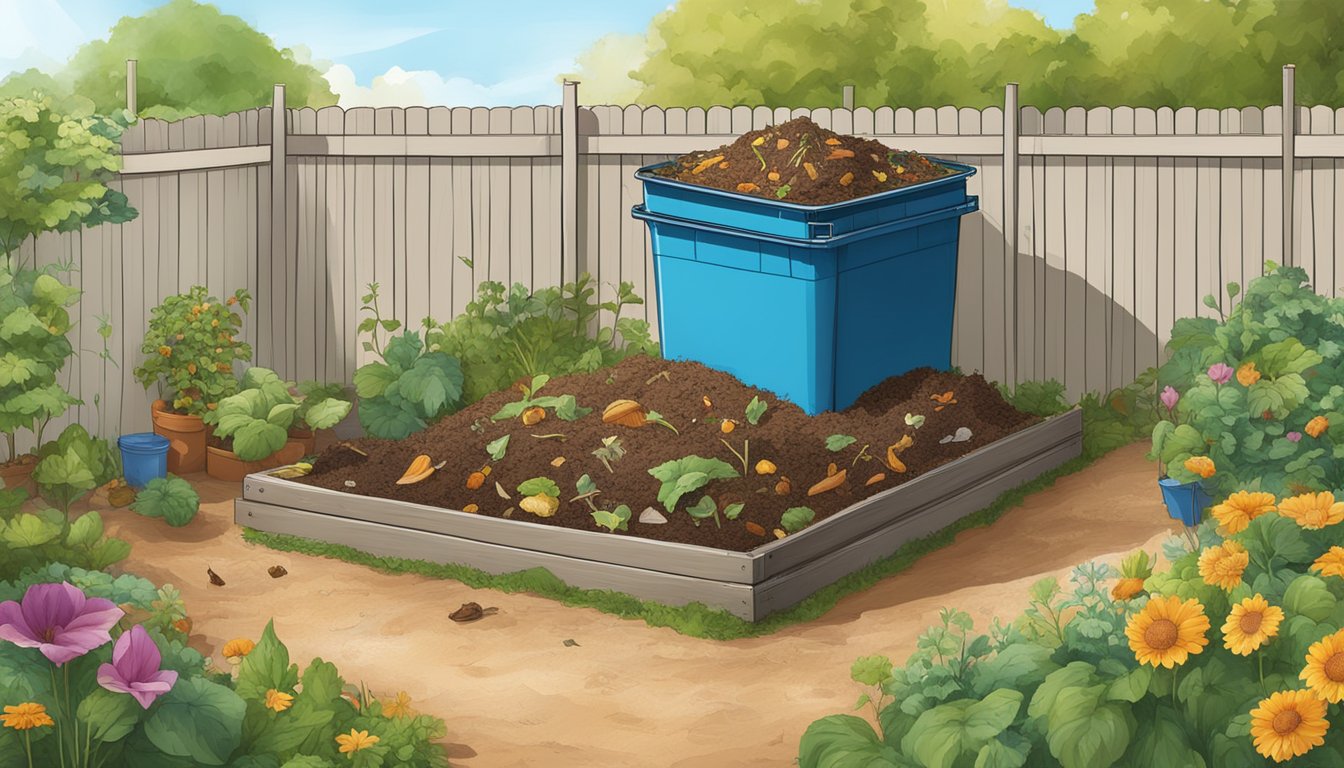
<point x="1121" y="220"/>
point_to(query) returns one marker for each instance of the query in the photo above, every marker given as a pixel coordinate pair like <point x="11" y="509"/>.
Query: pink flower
<point x="1220" y="373"/>
<point x="135" y="668"/>
<point x="1293" y="437"/>
<point x="58" y="620"/>
<point x="1169" y="398"/>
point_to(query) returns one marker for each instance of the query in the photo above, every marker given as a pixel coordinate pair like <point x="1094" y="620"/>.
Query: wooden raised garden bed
<point x="751" y="585"/>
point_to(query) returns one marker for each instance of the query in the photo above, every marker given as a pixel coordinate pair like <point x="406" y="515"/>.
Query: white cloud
<point x="36" y="33"/>
<point x="401" y="88"/>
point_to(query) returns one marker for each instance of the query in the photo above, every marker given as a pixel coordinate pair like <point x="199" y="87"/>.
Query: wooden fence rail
<point x="1098" y="227"/>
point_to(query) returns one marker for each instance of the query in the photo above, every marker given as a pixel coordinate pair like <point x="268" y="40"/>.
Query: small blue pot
<point x="1185" y="501"/>
<point x="144" y="456"/>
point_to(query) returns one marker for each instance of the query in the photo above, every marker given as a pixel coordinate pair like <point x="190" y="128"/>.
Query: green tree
<point x="193" y="59"/>
<point x="55" y="164"/>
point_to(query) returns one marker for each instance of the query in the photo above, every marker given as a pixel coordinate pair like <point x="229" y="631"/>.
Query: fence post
<point x="279" y="332"/>
<point x="1011" y="118"/>
<point x="1289" y="162"/>
<point x="130" y="87"/>
<point x="847" y="99"/>
<point x="569" y="183"/>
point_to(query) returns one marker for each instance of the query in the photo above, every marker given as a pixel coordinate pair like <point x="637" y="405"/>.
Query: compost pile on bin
<point x="801" y="162"/>
<point x="524" y="453"/>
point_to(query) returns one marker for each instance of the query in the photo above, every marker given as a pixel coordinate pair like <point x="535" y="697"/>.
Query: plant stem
<point x="739" y="456"/>
<point x="28" y="747"/>
<point x="1173" y="685"/>
<point x="1260" y="658"/>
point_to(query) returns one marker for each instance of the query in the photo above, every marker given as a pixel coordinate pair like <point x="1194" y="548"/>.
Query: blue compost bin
<point x="144" y="456"/>
<point x="1185" y="501"/>
<point x="814" y="303"/>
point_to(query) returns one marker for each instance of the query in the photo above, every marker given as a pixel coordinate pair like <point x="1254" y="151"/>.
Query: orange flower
<point x="1127" y="588"/>
<point x="355" y="741"/>
<point x="1331" y="563"/>
<point x="1200" y="465"/>
<point x="1247" y="375"/>
<point x="236" y="649"/>
<point x="1317" y="426"/>
<point x="1313" y="511"/>
<point x="166" y="351"/>
<point x="1239" y="509"/>
<point x="1222" y="566"/>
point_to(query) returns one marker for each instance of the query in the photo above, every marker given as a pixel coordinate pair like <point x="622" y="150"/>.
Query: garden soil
<point x="785" y="436"/>
<point x="623" y="695"/>
<point x="802" y="163"/>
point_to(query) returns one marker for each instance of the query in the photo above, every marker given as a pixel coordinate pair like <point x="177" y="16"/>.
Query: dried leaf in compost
<point x="706" y="164"/>
<point x="471" y="509"/>
<point x="781" y="144"/>
<point x="834" y="142"/>
<point x="755" y="529"/>
<point x="846" y="179"/>
<point x="811" y="171"/>
<point x="830" y="469"/>
<point x="840" y="154"/>
<point x="829" y="484"/>
<point x="503" y="494"/>
<point x="557" y="461"/>
<point x="747" y="186"/>
<point x="783" y="487"/>
<point x="419" y="469"/>
<point x="879" y="477"/>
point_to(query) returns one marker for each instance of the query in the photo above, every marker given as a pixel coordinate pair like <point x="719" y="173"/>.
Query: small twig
<point x="739" y="456"/>
<point x="584" y="496"/>
<point x="862" y="452"/>
<point x="555" y="436"/>
<point x="658" y="375"/>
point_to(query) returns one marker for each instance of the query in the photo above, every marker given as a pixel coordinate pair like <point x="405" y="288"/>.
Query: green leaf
<point x="109" y="716"/>
<point x="388" y="418"/>
<point x="327" y="412"/>
<point x="733" y="510"/>
<point x="841" y="741"/>
<point x="615" y="520"/>
<point x="755" y="409"/>
<point x="1083" y="732"/>
<point x="1020" y="665"/>
<point x="282" y="415"/>
<point x="198" y="720"/>
<point x="1287" y="356"/>
<point x="1074" y="674"/>
<point x="539" y="486"/>
<point x="433" y="383"/>
<point x="839" y="442"/>
<point x="85" y="530"/>
<point x="944" y="733"/>
<point x="682" y="476"/>
<point x="871" y="670"/>
<point x="29" y="531"/>
<point x="567" y="409"/>
<point x="996" y="754"/>
<point x="796" y="519"/>
<point x="373" y="379"/>
<point x="585" y="484"/>
<point x="258" y="440"/>
<point x="401" y="351"/>
<point x="266" y="667"/>
<point x="702" y="509"/>
<point x="1309" y="596"/>
<point x="497" y="448"/>
<point x="171" y="498"/>
<point x="1131" y="686"/>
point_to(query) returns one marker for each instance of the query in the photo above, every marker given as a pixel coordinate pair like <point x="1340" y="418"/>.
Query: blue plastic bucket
<point x="144" y="456"/>
<point x="816" y="319"/>
<point x="1185" y="501"/>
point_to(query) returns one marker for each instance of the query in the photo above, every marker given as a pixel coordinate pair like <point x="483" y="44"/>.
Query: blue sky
<point x="487" y="53"/>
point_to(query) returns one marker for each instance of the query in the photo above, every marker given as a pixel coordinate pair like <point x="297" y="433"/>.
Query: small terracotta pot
<point x="223" y="464"/>
<point x="19" y="474"/>
<point x="186" y="438"/>
<point x="305" y="436"/>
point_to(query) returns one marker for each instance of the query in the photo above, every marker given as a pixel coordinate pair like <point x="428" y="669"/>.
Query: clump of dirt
<point x="801" y="162"/>
<point x="697" y="401"/>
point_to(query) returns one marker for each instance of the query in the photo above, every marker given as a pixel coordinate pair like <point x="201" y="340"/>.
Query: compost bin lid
<point x="143" y="441"/>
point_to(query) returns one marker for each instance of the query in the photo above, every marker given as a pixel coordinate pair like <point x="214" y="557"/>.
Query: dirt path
<point x="627" y="695"/>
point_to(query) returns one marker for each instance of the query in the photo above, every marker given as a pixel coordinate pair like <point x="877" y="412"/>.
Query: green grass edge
<point x="695" y="619"/>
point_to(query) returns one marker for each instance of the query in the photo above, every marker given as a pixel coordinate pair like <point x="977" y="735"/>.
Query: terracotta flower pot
<point x="186" y="438"/>
<point x="306" y="437"/>
<point x="18" y="473"/>
<point x="223" y="464"/>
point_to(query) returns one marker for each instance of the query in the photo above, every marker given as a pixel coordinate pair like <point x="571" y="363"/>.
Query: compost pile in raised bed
<point x="801" y="162"/>
<point x="695" y="400"/>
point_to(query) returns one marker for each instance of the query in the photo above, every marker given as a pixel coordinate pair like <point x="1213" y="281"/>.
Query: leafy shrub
<point x="508" y="334"/>
<point x="413" y="386"/>
<point x="33" y="304"/>
<point x="270" y="715"/>
<point x="31" y="540"/>
<point x="1260" y="392"/>
<point x="1089" y="677"/>
<point x="258" y="418"/>
<point x="190" y="349"/>
<point x="1111" y="420"/>
<point x="170" y="498"/>
<point x="74" y="464"/>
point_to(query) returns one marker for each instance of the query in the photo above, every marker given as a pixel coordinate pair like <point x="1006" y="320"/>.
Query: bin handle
<point x="818" y="235"/>
<point x="971" y="205"/>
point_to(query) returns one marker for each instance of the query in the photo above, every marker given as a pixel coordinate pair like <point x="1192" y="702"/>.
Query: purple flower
<point x="1220" y="373"/>
<point x="58" y="620"/>
<point x="1293" y="437"/>
<point x="135" y="668"/>
<point x="1169" y="397"/>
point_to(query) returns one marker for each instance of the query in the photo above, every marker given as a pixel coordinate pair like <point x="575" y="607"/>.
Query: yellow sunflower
<point x="1222" y="566"/>
<point x="1331" y="563"/>
<point x="1127" y="588"/>
<point x="1313" y="510"/>
<point x="1241" y="508"/>
<point x="1167" y="631"/>
<point x="1250" y="624"/>
<point x="1324" y="672"/>
<point x="1288" y="724"/>
<point x="22" y="717"/>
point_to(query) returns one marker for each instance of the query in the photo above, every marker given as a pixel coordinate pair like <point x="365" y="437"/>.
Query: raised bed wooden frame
<point x="751" y="585"/>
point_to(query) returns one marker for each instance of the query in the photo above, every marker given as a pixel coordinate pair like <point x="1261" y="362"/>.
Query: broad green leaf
<point x="755" y="410"/>
<point x="266" y="667"/>
<point x="703" y="508"/>
<point x="796" y="519"/>
<point x="1074" y="674"/>
<point x="109" y="716"/>
<point x="373" y="379"/>
<point x="85" y="530"/>
<point x="29" y="531"/>
<point x="1308" y="596"/>
<point x="1020" y="666"/>
<point x="942" y="734"/>
<point x="258" y="439"/>
<point x="839" y="442"/>
<point x="433" y="382"/>
<point x="585" y="484"/>
<point x="282" y="415"/>
<point x="402" y="351"/>
<point x="327" y="413"/>
<point x="385" y="417"/>
<point x="844" y="741"/>
<point x="539" y="486"/>
<point x="733" y="510"/>
<point x="996" y="754"/>
<point x="498" y="447"/>
<point x="198" y="720"/>
<point x="1084" y="733"/>
<point x="871" y="670"/>
<point x="1131" y="686"/>
<point x="1287" y="356"/>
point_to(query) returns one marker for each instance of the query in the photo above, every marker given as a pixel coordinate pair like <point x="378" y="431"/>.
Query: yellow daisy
<point x="1167" y="631"/>
<point x="1239" y="509"/>
<point x="1127" y="588"/>
<point x="399" y="707"/>
<point x="1331" y="563"/>
<point x="278" y="700"/>
<point x="1250" y="624"/>
<point x="1222" y="566"/>
<point x="1288" y="724"/>
<point x="1313" y="510"/>
<point x="27" y="715"/>
<point x="355" y="741"/>
<point x="236" y="649"/>
<point x="1324" y="672"/>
